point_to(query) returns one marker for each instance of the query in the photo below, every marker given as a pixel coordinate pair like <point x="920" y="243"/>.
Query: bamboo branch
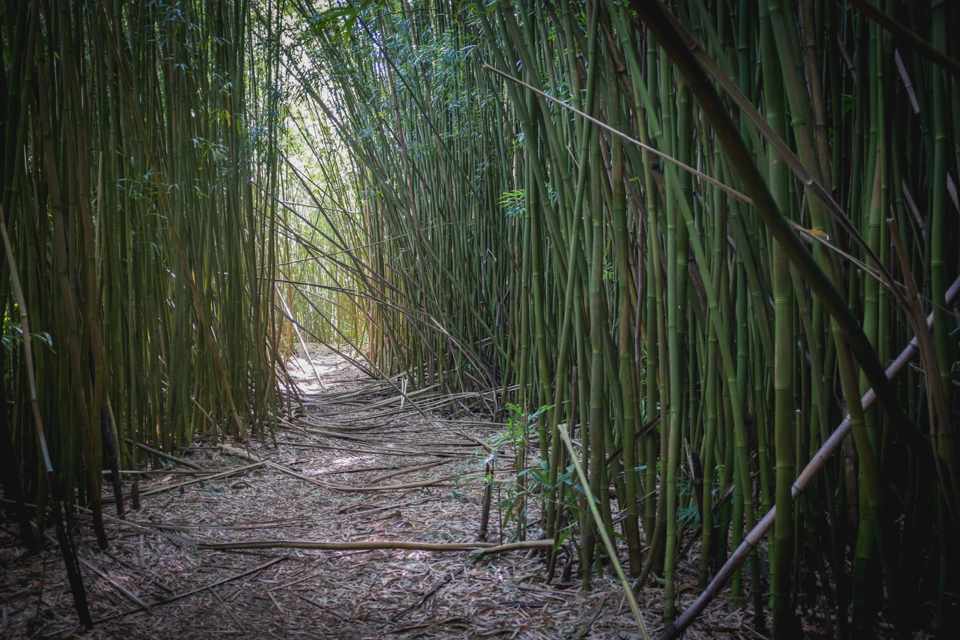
<point x="736" y="194"/>
<point x="116" y="585"/>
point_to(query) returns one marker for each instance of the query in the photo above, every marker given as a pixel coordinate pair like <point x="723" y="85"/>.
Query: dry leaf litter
<point x="355" y="462"/>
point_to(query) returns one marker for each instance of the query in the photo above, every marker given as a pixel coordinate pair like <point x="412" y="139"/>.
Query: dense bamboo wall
<point x="695" y="240"/>
<point x="135" y="137"/>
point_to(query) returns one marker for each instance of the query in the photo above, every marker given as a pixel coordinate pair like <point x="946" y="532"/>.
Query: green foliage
<point x="514" y="202"/>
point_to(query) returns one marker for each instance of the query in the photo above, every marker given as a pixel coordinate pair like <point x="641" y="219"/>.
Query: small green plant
<point x="513" y="497"/>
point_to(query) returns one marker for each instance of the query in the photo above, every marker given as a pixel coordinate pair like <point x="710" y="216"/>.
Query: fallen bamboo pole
<point x="372" y="545"/>
<point x="142" y="527"/>
<point x="303" y="344"/>
<point x="339" y="487"/>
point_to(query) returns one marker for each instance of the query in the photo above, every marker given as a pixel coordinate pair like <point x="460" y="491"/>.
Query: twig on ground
<point x="275" y="603"/>
<point x="422" y="467"/>
<point x="165" y="456"/>
<point x="116" y="585"/>
<point x="227" y="609"/>
<point x="427" y="625"/>
<point x="433" y="590"/>
<point x="187" y="594"/>
<point x="320" y="606"/>
<point x="585" y="628"/>
<point x="153" y="492"/>
<point x="340" y="487"/>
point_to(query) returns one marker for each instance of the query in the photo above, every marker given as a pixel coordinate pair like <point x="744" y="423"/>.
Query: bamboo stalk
<point x="799" y="485"/>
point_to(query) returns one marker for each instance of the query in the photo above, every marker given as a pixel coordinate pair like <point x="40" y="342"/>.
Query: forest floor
<point x="353" y="464"/>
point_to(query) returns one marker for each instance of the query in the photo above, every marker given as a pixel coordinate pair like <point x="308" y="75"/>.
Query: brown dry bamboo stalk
<point x="167" y="472"/>
<point x="340" y="487"/>
<point x="296" y="327"/>
<point x="585" y="627"/>
<point x="485" y="548"/>
<point x="142" y="527"/>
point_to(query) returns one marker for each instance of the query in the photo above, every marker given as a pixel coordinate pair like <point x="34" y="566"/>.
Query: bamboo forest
<point x="501" y="319"/>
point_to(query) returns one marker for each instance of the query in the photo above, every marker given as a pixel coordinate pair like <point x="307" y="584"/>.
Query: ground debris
<point x="261" y="492"/>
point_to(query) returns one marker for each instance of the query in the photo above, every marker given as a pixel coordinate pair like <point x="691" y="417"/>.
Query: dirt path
<point x="387" y="473"/>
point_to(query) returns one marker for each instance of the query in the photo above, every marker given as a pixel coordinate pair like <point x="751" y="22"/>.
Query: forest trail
<point x="398" y="477"/>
